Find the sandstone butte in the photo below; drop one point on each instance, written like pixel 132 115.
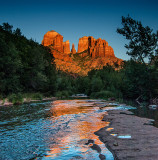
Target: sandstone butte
pixel 92 53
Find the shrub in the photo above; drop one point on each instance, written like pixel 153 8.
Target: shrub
pixel 62 94
pixel 58 94
pixel 1 96
pixel 15 98
pixel 37 96
pixel 102 94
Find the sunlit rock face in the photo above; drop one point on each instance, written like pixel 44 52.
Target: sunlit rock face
pixel 66 47
pixel 56 41
pixel 53 38
pixel 92 53
pixel 82 44
pixel 95 48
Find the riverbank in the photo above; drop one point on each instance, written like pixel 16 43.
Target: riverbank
pixel 7 103
pixel 129 137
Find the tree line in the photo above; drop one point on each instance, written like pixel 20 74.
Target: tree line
pixel 25 65
pixel 28 67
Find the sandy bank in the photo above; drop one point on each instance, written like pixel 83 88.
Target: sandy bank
pixel 140 141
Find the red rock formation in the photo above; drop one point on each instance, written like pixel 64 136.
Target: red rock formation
pixel 66 47
pixel 82 44
pixel 96 53
pixel 95 48
pixel 48 38
pixel 55 39
pixel 73 50
pixel 110 51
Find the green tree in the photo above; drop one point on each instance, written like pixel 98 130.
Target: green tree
pixel 96 84
pixel 139 78
pixel 25 65
pixel 17 32
pixel 10 67
pixel 82 85
pixel 7 27
pixel 142 40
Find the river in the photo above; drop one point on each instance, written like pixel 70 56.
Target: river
pixel 60 130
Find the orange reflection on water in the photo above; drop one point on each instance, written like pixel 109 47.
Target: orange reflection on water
pixel 79 129
pixel 54 151
pixel 71 107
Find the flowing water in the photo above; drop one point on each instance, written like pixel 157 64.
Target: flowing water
pixel 60 130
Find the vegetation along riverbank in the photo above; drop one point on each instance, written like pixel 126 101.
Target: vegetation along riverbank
pixel 28 67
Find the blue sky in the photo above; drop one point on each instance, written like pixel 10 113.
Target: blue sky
pixel 78 18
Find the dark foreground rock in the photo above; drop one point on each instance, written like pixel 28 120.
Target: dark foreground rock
pixel 129 137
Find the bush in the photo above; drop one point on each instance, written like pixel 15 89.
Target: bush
pixel 15 98
pixel 33 96
pixel 102 94
pixel 58 94
pixel 1 96
pixel 62 94
pixel 37 96
pixel 65 94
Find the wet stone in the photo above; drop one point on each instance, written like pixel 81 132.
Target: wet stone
pixel 96 147
pixel 89 141
pixel 102 157
pixel 115 144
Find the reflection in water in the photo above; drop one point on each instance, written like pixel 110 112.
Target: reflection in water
pixel 80 121
pixel 57 130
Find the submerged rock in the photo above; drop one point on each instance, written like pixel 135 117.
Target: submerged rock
pixel 102 157
pixel 89 141
pixel 96 147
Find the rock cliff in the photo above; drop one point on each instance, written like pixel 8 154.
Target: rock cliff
pixel 54 39
pixel 92 53
pixel 66 47
pixel 95 48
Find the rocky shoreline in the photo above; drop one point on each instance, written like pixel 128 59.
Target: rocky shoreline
pixel 129 137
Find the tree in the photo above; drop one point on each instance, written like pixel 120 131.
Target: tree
pixel 17 32
pixel 140 78
pixel 96 84
pixel 142 40
pixel 25 65
pixel 7 27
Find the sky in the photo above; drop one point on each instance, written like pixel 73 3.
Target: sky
pixel 74 19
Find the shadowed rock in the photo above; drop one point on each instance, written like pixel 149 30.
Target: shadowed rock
pixel 89 141
pixel 73 50
pixel 102 157
pixel 96 147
